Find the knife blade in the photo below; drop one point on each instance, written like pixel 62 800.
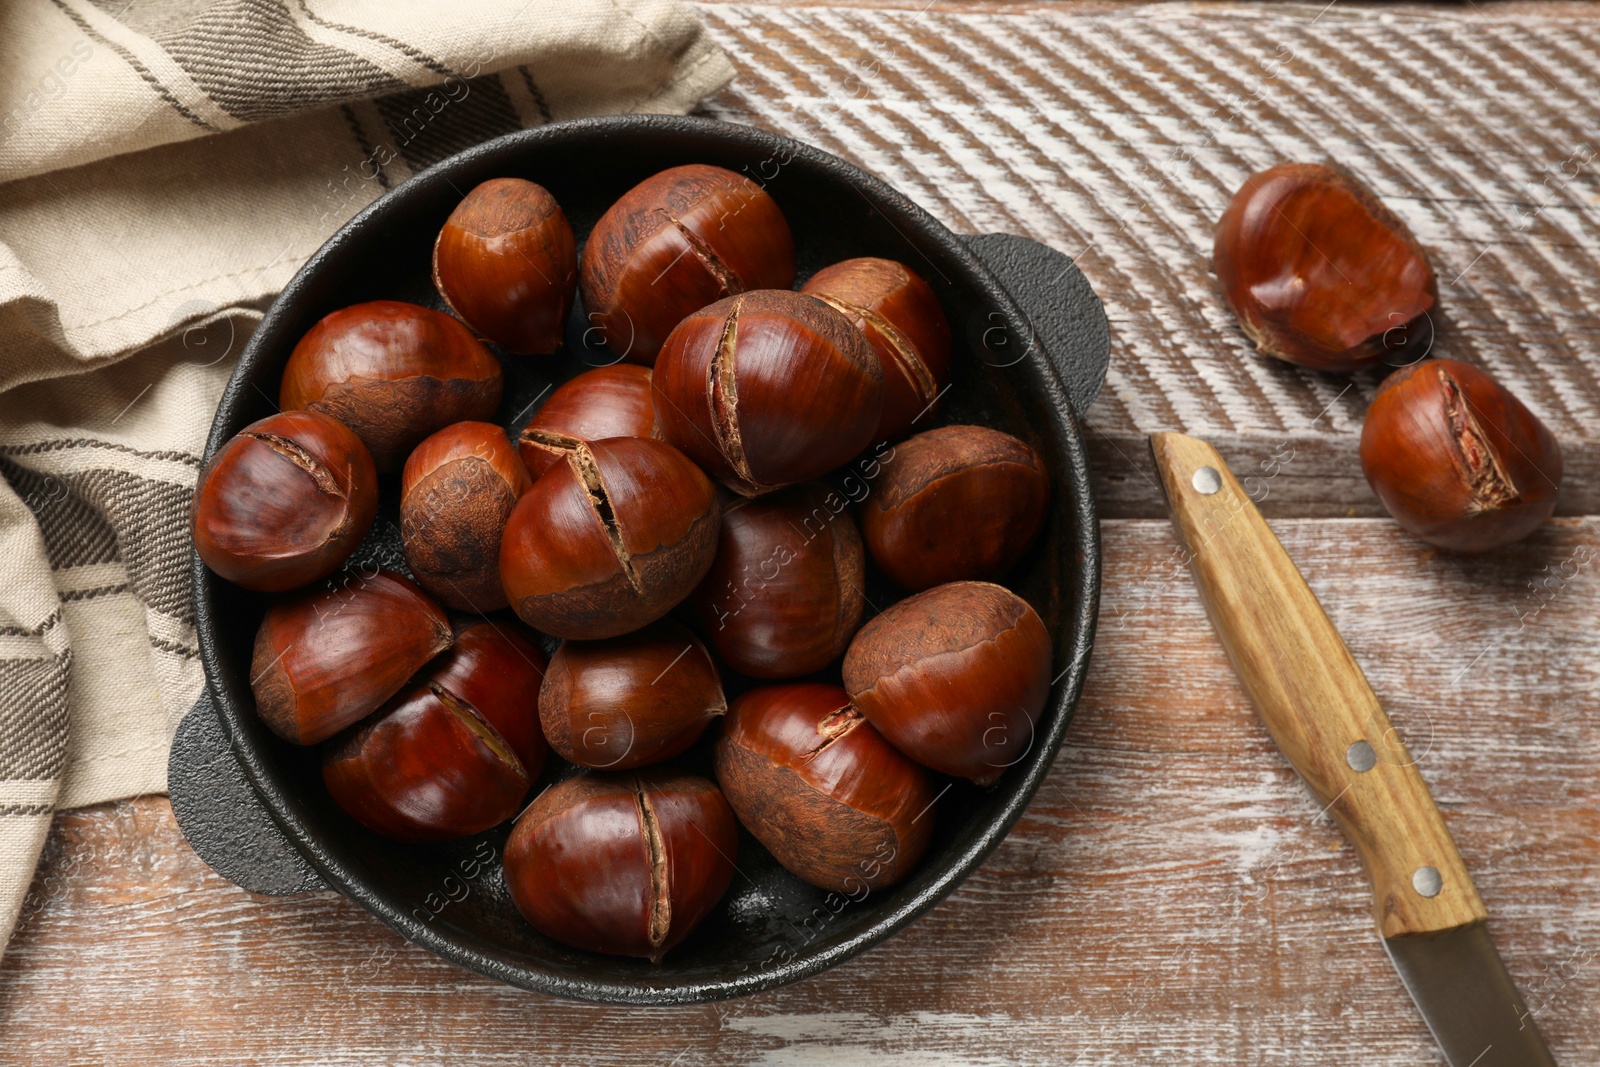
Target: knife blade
pixel 1317 705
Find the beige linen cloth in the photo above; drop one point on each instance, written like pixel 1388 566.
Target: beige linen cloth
pixel 165 167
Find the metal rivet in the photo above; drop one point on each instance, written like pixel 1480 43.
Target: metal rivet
pixel 1206 481
pixel 1361 757
pixel 1426 880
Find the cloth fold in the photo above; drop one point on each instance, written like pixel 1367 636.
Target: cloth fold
pixel 166 169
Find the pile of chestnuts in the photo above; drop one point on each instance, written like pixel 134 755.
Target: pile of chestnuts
pixel 1322 275
pixel 582 589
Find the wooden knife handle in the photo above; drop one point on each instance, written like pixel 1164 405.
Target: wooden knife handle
pixel 1312 696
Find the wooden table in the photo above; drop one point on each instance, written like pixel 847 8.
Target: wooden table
pixel 1173 895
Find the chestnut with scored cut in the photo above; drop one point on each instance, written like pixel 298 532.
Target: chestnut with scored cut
pixel 506 262
pixel 955 677
pixel 394 373
pixel 626 864
pixel 956 503
pixel 496 668
pixel 630 701
pixel 284 502
pixel 456 492
pixel 674 243
pixel 427 767
pixel 834 802
pixel 785 594
pixel 1457 459
pixel 1319 272
pixel 609 540
pixel 767 389
pixel 329 658
pixel 605 402
pixel 897 313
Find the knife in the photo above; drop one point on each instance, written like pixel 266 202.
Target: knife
pixel 1320 710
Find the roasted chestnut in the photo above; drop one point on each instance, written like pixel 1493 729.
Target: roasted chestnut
pixel 427 767
pixel 767 389
pixel 609 540
pixel 622 863
pixel 456 492
pixel 673 244
pixel 629 701
pixel 897 313
pixel 954 677
pixel 505 262
pixel 496 669
pixel 284 502
pixel 393 372
pixel 605 402
pixel 833 801
pixel 784 595
pixel 955 503
pixel 1457 459
pixel 326 659
pixel 1320 272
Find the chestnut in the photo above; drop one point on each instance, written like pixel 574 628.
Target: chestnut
pixel 456 492
pixel 955 503
pixel 427 767
pixel 622 863
pixel 1319 272
pixel 496 669
pixel 326 659
pixel 673 244
pixel 394 373
pixel 284 502
pixel 610 540
pixel 954 677
pixel 897 313
pixel 628 701
pixel 1457 459
pixel 833 802
pixel 506 262
pixel 767 389
pixel 784 595
pixel 605 402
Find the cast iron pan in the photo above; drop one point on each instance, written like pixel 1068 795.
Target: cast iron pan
pixel 273 829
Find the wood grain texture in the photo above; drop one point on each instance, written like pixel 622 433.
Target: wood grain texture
pixel 1171 896
pixel 1118 136
pixel 1311 694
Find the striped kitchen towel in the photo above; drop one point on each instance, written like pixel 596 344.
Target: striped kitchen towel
pixel 166 168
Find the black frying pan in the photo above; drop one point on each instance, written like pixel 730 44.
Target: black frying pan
pixel 1019 372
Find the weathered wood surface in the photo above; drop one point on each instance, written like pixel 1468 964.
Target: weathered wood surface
pixel 1172 895
pixel 1119 136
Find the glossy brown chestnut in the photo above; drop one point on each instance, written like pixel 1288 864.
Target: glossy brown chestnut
pixel 954 677
pixel 673 244
pixel 326 659
pixel 1457 459
pixel 456 492
pixel 784 596
pixel 505 262
pixel 622 863
pixel 833 801
pixel 496 669
pixel 897 313
pixel 1319 272
pixel 426 767
pixel 285 502
pixel 955 503
pixel 392 372
pixel 605 402
pixel 610 540
pixel 767 389
pixel 629 701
